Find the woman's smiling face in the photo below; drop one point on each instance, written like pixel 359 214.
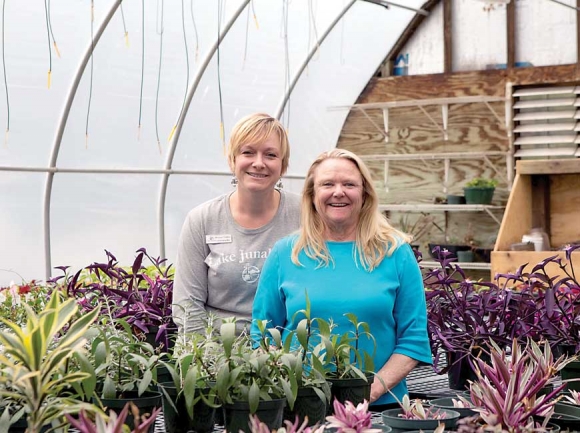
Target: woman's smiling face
pixel 338 194
pixel 259 166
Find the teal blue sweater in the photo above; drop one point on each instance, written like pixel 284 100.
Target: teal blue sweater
pixel 391 299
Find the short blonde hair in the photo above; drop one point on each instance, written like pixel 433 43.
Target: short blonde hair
pixel 375 237
pixel 257 128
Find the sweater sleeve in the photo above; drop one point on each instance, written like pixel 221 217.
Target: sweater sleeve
pixel 411 309
pixel 190 286
pixel 269 303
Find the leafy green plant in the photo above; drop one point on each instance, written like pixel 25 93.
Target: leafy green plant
pixel 14 298
pixel 341 355
pixel 122 363
pixel 481 182
pixel 192 372
pixel 245 373
pixel 33 362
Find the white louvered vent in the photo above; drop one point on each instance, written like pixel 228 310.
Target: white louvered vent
pixel 547 122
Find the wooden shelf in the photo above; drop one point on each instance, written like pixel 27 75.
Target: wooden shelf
pixel 438 207
pixel 544 194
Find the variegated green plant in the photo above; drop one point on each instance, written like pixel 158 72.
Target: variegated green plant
pixel 252 374
pixel 34 358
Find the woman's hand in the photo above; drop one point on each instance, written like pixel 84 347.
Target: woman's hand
pixel 377 389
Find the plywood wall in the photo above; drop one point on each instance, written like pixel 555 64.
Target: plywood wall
pixel 471 127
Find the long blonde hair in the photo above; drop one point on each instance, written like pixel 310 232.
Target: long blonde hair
pixel 257 128
pixel 375 237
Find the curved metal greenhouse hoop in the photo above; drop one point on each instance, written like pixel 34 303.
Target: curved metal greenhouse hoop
pixel 172 146
pixel 60 131
pixel 315 47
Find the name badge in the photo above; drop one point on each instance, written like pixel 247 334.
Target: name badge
pixel 218 239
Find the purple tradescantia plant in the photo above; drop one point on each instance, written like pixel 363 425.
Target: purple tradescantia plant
pixel 506 393
pixel 350 419
pixel 464 315
pixel 142 296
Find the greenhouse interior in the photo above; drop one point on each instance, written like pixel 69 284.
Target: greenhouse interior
pixel 121 120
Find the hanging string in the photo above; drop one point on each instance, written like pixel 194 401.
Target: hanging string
pixel 195 30
pixel 5 79
pixel 91 77
pixel 160 32
pixel 187 69
pixel 312 15
pixel 48 39
pixel 126 33
pixel 222 134
pixel 254 13
pixel 246 41
pixel 286 62
pixel 342 61
pixel 142 68
pixel 54 44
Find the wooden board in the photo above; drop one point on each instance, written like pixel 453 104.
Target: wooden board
pixel 565 209
pixel 509 261
pixel 556 166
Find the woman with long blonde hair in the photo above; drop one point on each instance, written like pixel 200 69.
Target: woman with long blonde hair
pixel 347 258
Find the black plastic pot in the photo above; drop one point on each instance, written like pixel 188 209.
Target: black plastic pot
pixel 178 421
pixel 460 370
pixel 447 403
pixel 571 371
pixel 237 415
pixel 307 404
pixel 147 403
pixel 449 247
pixel 355 390
pixel 392 419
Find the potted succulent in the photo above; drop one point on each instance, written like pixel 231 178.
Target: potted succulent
pixel 252 379
pixel 140 295
pixel 412 415
pixel 479 190
pixel 34 378
pixel 507 390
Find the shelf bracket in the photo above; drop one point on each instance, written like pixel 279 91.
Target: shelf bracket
pixel 447 164
pixel 386 175
pixel 494 168
pixel 490 213
pixel 444 129
pixel 386 123
pixel 378 128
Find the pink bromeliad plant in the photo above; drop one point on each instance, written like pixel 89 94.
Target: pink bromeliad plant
pixel 350 419
pixel 507 392
pixel 347 418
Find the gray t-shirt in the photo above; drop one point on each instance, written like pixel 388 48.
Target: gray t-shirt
pixel 219 262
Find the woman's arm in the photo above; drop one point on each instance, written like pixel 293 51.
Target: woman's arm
pixel 190 285
pixel 395 369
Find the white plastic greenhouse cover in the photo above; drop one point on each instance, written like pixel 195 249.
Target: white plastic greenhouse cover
pixel 75 172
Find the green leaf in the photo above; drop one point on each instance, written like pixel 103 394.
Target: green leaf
pixel 254 397
pixel 145 382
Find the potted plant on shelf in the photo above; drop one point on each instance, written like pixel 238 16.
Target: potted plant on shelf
pixel 34 378
pixel 141 295
pixel 479 190
pixel 252 380
pixel 417 228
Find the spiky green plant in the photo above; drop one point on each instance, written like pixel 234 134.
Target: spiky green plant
pixel 34 361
